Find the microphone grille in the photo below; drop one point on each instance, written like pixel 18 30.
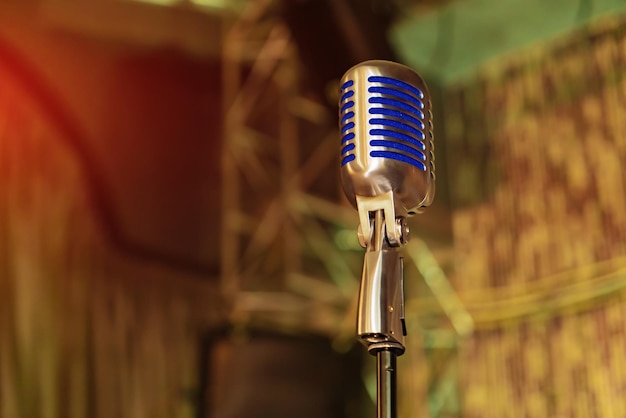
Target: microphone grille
pixel 385 121
pixel 347 123
pixel 399 122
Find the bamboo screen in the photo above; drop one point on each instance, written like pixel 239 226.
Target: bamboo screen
pixel 85 331
pixel 537 150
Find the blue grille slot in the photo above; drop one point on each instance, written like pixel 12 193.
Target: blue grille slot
pixel 397 83
pixel 347 137
pixel 398 135
pixel 397 156
pixel 347 148
pixel 347 127
pixel 347 159
pixel 347 106
pixel 397 93
pixel 347 95
pixel 396 114
pixel 347 84
pixel 347 116
pixel 398 146
pixel 397 125
pixel 396 103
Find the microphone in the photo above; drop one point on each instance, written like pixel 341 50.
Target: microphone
pixel 387 154
pixel 388 174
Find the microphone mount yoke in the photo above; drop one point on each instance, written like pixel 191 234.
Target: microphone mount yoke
pixel 380 314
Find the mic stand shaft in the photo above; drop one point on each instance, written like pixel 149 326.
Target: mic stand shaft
pixel 386 384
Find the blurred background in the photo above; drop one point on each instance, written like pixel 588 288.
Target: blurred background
pixel 174 241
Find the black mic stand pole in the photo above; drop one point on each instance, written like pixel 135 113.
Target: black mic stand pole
pixel 380 316
pixel 386 384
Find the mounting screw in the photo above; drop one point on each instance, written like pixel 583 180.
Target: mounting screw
pixel 402 230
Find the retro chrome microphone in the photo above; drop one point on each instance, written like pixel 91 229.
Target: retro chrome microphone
pixel 387 173
pixel 386 137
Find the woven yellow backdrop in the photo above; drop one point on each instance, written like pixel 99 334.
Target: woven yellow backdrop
pixel 537 150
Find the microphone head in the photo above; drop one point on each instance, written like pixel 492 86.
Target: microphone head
pixel 386 135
